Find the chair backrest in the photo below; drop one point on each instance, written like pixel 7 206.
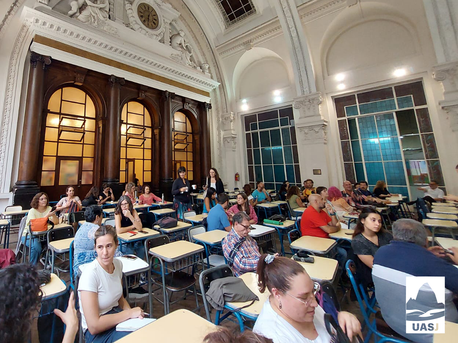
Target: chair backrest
pixel 293 235
pixel 60 233
pixel 290 210
pixel 155 242
pixel 195 230
pixel 75 217
pixel 207 276
pixel 19 244
pixel 12 208
pixel 111 222
pixel 422 208
pixel 189 214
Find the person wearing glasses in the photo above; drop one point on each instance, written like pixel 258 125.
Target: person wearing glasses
pixel 240 250
pixel 291 313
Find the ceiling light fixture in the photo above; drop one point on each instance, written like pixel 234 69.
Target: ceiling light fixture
pixel 341 86
pixel 244 107
pixel 400 72
pixel 277 92
pixel 278 99
pixel 340 77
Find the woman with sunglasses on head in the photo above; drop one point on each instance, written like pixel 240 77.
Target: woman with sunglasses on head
pixel 102 303
pixel 291 313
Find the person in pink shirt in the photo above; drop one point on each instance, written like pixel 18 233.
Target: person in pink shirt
pixel 243 205
pixel 147 198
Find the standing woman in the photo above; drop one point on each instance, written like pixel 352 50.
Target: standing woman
pixel 130 192
pixel 368 237
pixel 294 197
pixel 148 197
pixel 380 190
pixel 106 195
pixel 243 205
pixel 214 181
pixel 180 191
pixel 39 209
pixel 101 301
pixel 210 200
pixel 127 219
pixel 69 204
pixel 92 197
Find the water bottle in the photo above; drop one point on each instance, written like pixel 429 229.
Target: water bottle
pixel 162 197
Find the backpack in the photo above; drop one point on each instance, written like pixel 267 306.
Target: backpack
pixel 327 299
pixel 166 222
pixel 278 217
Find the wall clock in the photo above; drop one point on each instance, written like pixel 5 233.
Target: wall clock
pixel 148 15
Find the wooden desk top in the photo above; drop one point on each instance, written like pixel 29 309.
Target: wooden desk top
pixel 279 202
pixel 211 237
pixel 446 204
pixel 174 251
pixel 446 243
pixel 286 224
pixel 266 205
pixel 139 207
pixel 180 226
pixel 451 332
pixel 299 209
pixel 4 222
pixel 351 215
pixel 127 237
pixel 109 210
pixel 14 213
pixel 323 269
pixel 260 230
pixel 200 197
pixel 53 288
pixel 81 222
pixel 251 280
pixel 129 265
pixel 192 329
pixel 440 223
pixel 163 211
pixel 197 218
pixel 61 245
pixel 314 244
pixel 445 210
pixel 442 216
pixel 343 234
pixel 61 225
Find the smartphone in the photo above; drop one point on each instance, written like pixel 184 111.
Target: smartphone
pixel 302 254
pixel 53 208
pixel 448 251
pixel 130 257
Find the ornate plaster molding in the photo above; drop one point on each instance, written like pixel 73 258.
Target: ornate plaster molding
pixel 447 74
pixel 308 106
pixel 9 14
pixel 309 12
pixel 230 142
pixel 313 134
pixel 227 121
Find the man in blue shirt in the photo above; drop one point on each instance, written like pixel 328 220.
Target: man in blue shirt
pixel 260 194
pixel 217 217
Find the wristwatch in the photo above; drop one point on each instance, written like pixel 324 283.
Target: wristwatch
pixel 332 214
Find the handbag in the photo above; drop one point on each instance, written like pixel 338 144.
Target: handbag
pixel 39 224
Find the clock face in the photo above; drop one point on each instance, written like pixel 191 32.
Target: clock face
pixel 148 15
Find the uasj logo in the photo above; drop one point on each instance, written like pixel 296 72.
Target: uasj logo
pixel 425 304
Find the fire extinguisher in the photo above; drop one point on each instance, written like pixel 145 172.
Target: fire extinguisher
pixel 237 177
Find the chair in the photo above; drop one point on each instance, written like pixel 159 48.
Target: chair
pixel 20 246
pixel 176 279
pixel 206 277
pixel 57 235
pixel 213 259
pixel 111 222
pixel 291 212
pixel 367 305
pixel 74 218
pixel 292 236
pixel 188 214
pixel 14 219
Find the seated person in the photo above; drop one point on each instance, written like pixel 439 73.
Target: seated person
pixel 291 313
pixel 283 190
pixel 363 189
pixel 22 302
pixel 243 205
pixel 127 219
pixel 338 202
pixel 308 189
pixel 130 192
pixel 225 335
pixel 147 198
pixel 260 194
pixel 210 200
pixel 294 197
pixel 350 196
pixel 69 204
pixel 106 195
pixel 39 209
pixel 380 190
pixel 240 250
pixel 368 237
pixel 316 222
pixel 406 256
pixel 433 193
pixel 217 217
pixel 247 190
pixel 102 304
pixel 92 197
pixel 83 243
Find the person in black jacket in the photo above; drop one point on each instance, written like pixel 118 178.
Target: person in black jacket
pixel 214 181
pixel 181 191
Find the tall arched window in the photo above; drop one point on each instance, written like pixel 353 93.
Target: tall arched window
pixel 69 144
pixel 136 143
pixel 182 145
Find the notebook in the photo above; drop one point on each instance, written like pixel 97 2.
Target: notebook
pixel 134 324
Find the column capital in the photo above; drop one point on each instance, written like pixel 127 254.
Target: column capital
pixel 313 134
pixel 35 58
pixel 116 80
pixel 227 121
pixel 230 141
pixel 308 106
pixel 447 74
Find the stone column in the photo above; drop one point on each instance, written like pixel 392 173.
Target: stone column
pixel 113 131
pixel 29 170
pixel 311 133
pixel 205 129
pixel 229 150
pixel 165 160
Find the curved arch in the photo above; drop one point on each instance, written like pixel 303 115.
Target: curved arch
pixel 367 17
pixel 258 58
pixel 150 106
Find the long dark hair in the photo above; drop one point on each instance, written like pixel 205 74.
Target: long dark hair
pixel 216 175
pixel 362 216
pixel 247 189
pixel 210 192
pixel 94 191
pixel 19 301
pixel 36 199
pixel 291 191
pixel 121 199
pixel 283 187
pixel 247 208
pixel 277 274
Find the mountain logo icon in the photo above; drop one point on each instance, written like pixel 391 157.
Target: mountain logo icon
pixel 425 306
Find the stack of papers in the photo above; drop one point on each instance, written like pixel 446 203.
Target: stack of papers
pixel 134 324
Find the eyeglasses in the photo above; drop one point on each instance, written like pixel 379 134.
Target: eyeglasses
pixel 311 297
pixel 246 227
pixel 124 203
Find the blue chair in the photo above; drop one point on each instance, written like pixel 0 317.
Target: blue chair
pixel 367 304
pixel 292 236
